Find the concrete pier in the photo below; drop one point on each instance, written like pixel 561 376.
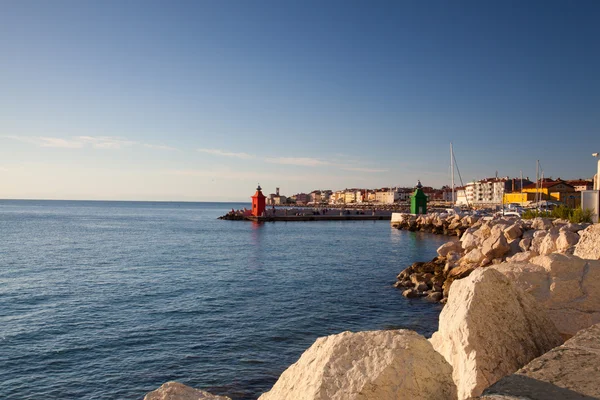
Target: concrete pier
pixel 320 218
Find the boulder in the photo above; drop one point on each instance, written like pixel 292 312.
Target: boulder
pixel 525 243
pixel 588 246
pixel 495 246
pixel 536 241
pixel 541 223
pixel 474 256
pixel 513 232
pixel 178 391
pixel 572 227
pixel 565 240
pixel 490 328
pixel 547 244
pixel 568 372
pixel 378 365
pixel 567 286
pixel 469 241
pixel 521 257
pixel 446 248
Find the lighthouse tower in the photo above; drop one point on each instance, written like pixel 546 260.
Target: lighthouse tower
pixel 258 202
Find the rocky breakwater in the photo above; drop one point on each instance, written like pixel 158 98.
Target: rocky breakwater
pixel 491 241
pixel 438 223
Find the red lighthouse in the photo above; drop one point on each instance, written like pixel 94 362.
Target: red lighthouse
pixel 258 202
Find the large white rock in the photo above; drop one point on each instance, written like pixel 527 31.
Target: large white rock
pixel 378 365
pixel 566 239
pixel 179 391
pixel 474 256
pixel 589 244
pixel 548 244
pixel 567 286
pixel 513 232
pixel 570 371
pixel 446 248
pixel 495 246
pixel 470 241
pixel 490 328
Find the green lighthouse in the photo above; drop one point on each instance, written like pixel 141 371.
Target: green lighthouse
pixel 418 201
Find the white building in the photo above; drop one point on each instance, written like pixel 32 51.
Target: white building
pixel 388 195
pixel 488 191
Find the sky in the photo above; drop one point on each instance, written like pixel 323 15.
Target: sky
pixel 202 100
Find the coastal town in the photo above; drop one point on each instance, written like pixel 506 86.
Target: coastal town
pixel 488 192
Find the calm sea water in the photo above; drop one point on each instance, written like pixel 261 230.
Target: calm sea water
pixel 108 300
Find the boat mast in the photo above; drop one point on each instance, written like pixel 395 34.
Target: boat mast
pixel 521 188
pixel 452 168
pixel 537 183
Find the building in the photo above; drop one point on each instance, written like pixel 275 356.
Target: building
pixel 302 198
pixel 581 184
pixel 489 191
pixel 275 199
pixel 387 195
pixel 461 196
pixel 554 190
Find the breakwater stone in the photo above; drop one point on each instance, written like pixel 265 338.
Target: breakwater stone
pixel 377 365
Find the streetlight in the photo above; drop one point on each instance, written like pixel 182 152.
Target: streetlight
pixel 597 177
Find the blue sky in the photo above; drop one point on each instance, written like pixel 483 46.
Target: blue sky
pixel 201 100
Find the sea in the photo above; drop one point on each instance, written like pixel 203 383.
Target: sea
pixel 109 300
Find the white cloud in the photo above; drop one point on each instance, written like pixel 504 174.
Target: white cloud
pixel 158 147
pixel 301 161
pixel 42 141
pixel 106 142
pixel 77 142
pixel 223 153
pixel 59 142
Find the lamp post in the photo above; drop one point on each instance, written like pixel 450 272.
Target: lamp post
pixel 597 177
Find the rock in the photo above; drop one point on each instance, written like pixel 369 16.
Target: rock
pixel 536 242
pixel 179 391
pixel 495 246
pixel 560 222
pixel 541 223
pixel 547 244
pixel 570 371
pixel 435 296
pixel 567 286
pixel 421 287
pixel 469 241
pixel 446 248
pixel 416 279
pixel 378 365
pixel 513 232
pixel 410 293
pixel 525 244
pixel 589 244
pixel 571 227
pixel 475 256
pixel 490 328
pixel 513 248
pixel 521 257
pixel 565 240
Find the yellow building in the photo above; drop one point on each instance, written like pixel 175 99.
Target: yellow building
pixel 520 198
pixel 549 190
